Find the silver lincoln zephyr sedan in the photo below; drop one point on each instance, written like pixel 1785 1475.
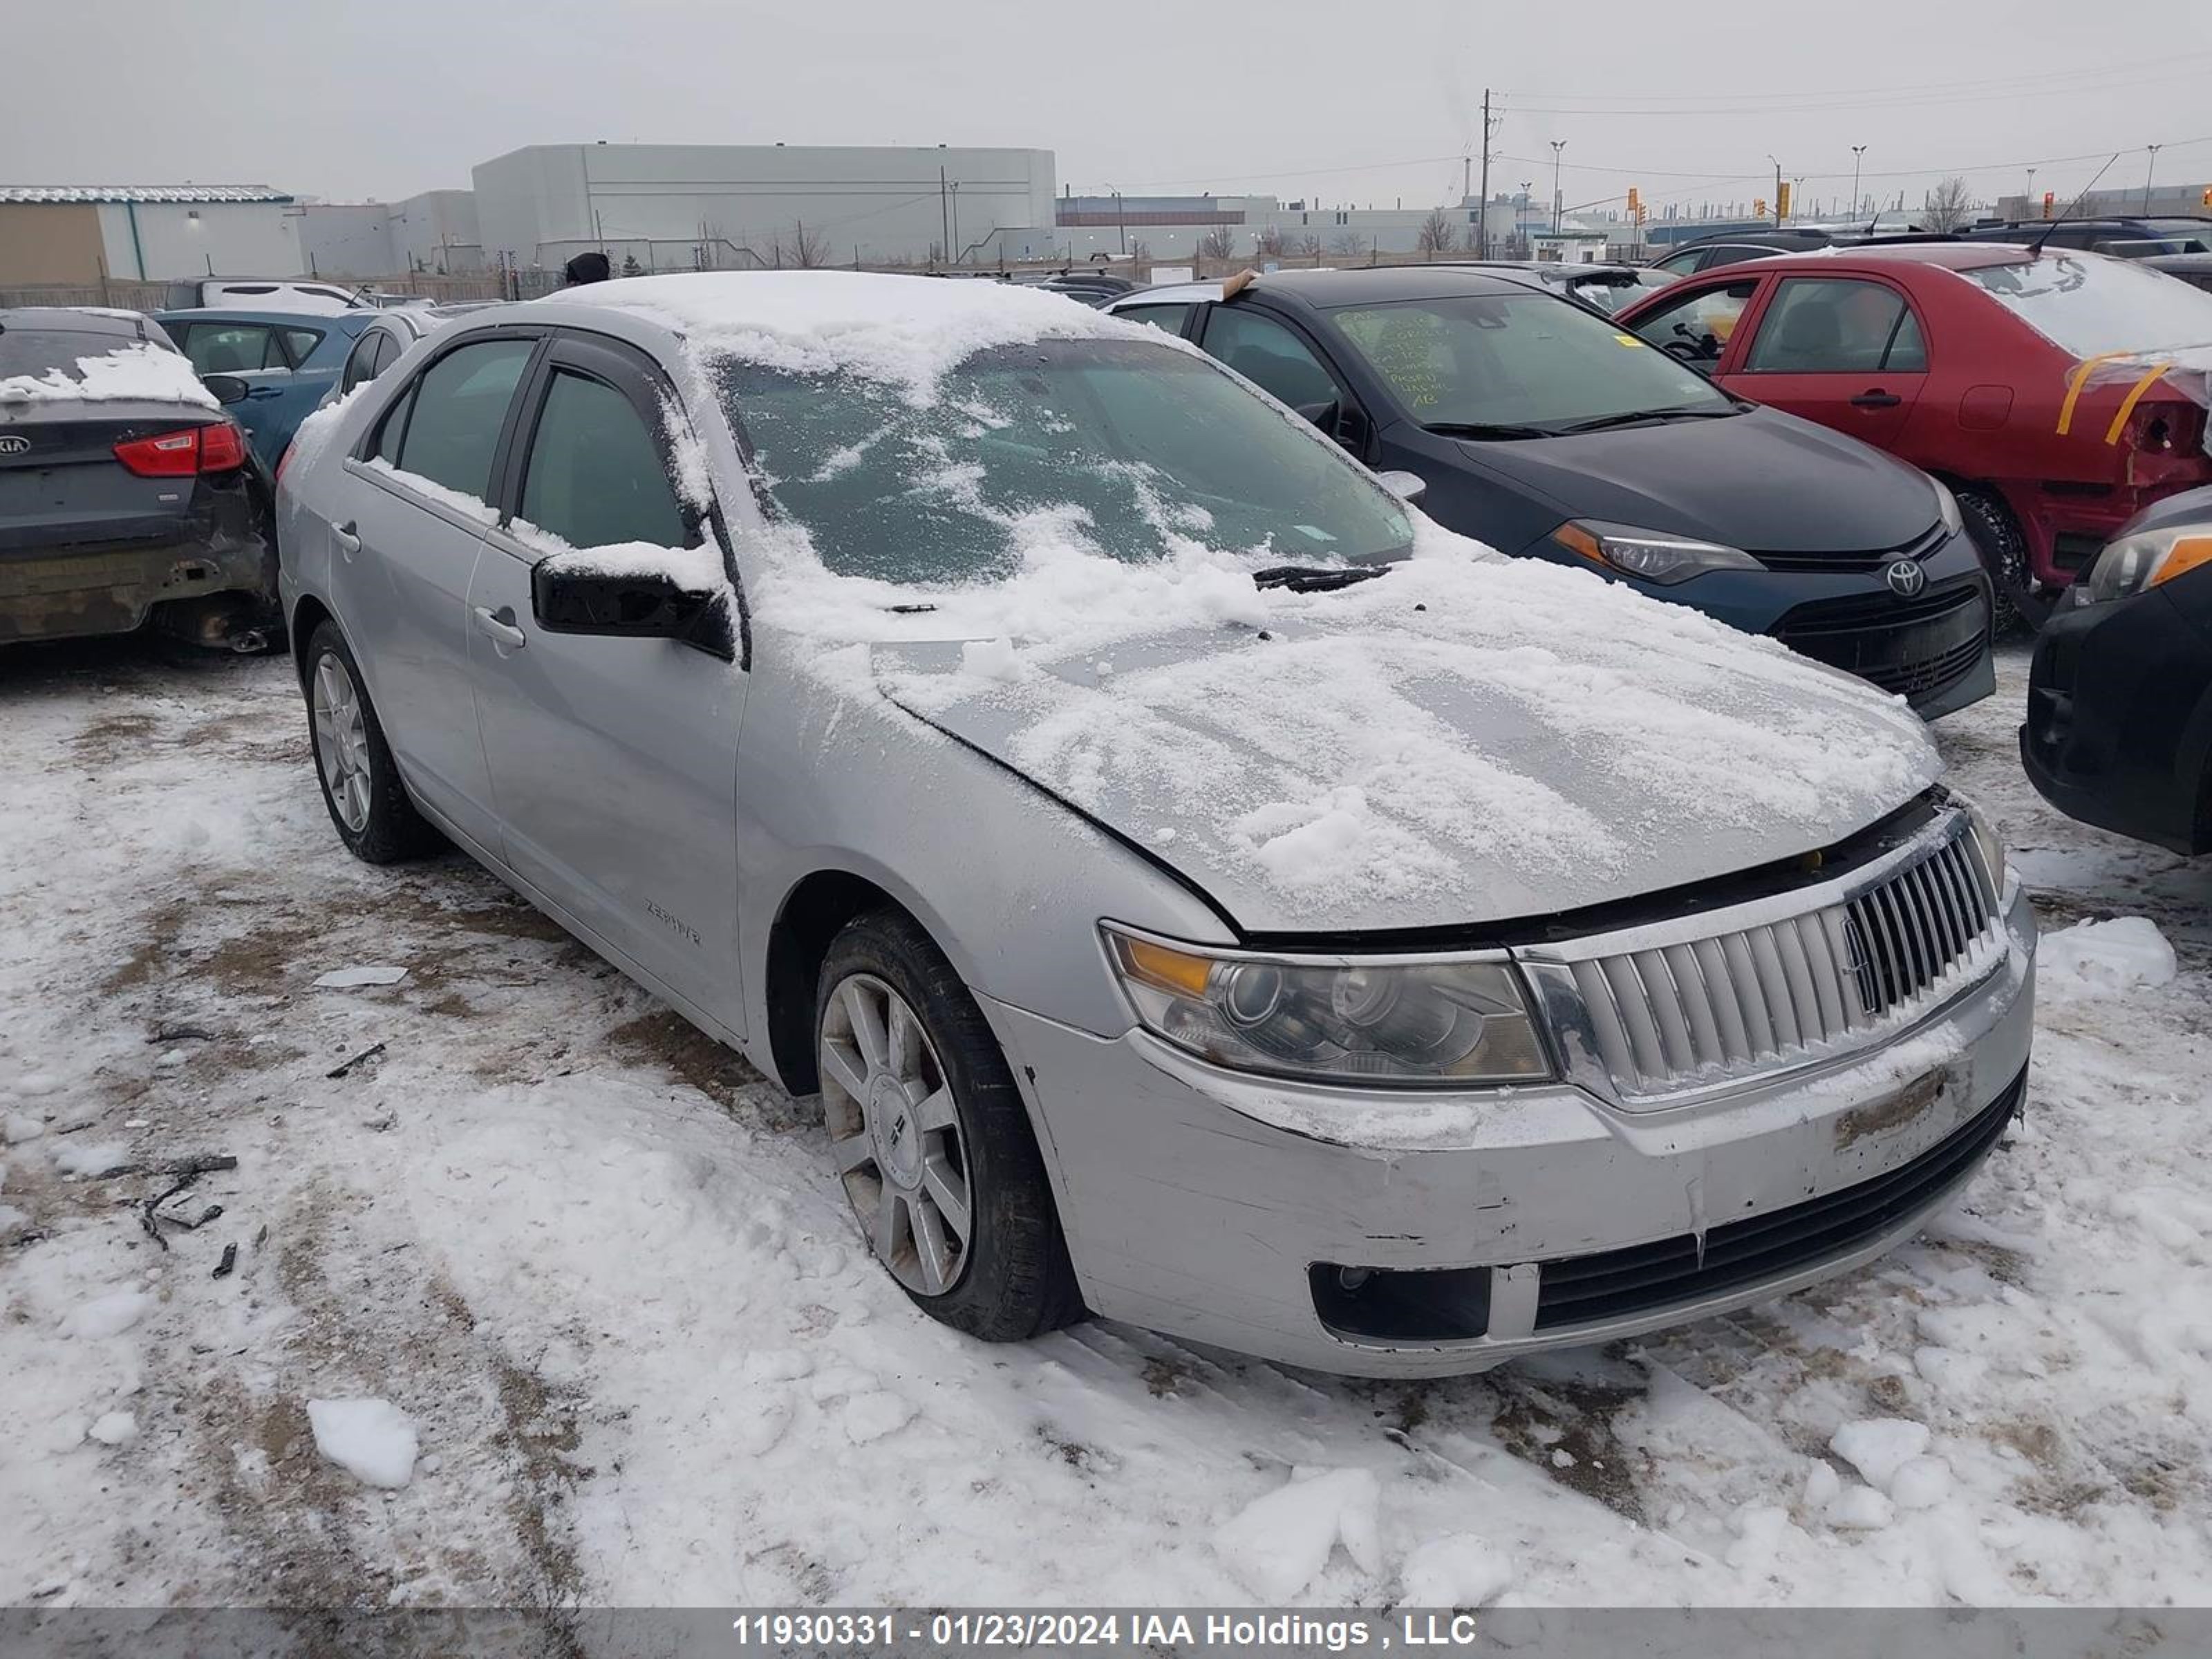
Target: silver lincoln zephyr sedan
pixel 1201 891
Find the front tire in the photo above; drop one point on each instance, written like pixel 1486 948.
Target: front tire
pixel 929 1138
pixel 1999 538
pixel 368 804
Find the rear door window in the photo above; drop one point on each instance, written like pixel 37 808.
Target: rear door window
pixel 1169 317
pixel 361 362
pixel 460 405
pixel 595 477
pixel 1267 354
pixel 233 348
pixel 301 342
pixel 1820 326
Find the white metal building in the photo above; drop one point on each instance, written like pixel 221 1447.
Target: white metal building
pixel 435 232
pixel 679 206
pixel 85 232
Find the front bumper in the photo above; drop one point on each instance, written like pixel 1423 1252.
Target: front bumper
pixel 2119 731
pixel 1193 1207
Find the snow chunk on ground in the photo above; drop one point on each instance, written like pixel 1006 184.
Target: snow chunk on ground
pixel 96 1157
pixel 873 1415
pixel 2097 958
pixel 138 372
pixel 1920 1483
pixel 113 1429
pixel 1861 1509
pixel 107 1316
pixel 344 978
pixel 1278 1543
pixel 372 1440
pixel 1878 1447
pixel 1459 1571
pixel 19 1126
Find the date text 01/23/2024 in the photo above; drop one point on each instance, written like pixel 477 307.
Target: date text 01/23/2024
pixel 1253 1633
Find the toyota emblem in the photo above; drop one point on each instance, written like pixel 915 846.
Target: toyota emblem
pixel 1905 579
pixel 13 443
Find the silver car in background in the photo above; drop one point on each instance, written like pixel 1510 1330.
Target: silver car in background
pixel 1200 891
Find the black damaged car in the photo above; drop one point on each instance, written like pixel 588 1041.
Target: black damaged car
pixel 2119 700
pixel 126 495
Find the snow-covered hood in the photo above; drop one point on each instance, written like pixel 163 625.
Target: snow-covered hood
pixel 1463 740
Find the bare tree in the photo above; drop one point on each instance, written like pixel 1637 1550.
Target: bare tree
pixel 1219 243
pixel 1141 252
pixel 1308 245
pixel 1949 206
pixel 808 249
pixel 1270 244
pixel 1437 234
pixel 1348 241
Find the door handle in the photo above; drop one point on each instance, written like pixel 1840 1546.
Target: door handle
pixel 349 542
pixel 264 392
pixel 1876 398
pixel 498 625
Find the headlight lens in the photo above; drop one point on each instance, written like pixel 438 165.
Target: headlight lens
pixel 2144 560
pixel 1986 838
pixel 1437 1023
pixel 1655 557
pixel 1947 507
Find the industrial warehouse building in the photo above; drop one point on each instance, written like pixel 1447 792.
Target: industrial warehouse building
pixel 724 206
pixel 86 235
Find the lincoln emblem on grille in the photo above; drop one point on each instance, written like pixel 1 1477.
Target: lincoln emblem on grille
pixel 1905 578
pixel 13 444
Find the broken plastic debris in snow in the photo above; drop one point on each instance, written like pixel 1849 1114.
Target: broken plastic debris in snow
pixel 372 1440
pixel 344 978
pixel 2099 959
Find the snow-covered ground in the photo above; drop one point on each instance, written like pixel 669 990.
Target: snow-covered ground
pixel 547 1300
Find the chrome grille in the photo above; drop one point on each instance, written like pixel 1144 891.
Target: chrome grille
pixel 1706 1011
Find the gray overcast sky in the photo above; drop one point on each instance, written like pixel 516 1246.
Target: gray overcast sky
pixel 1348 103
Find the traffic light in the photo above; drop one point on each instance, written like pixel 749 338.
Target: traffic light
pixel 1782 200
pixel 2051 200
pixel 2208 195
pixel 1759 207
pixel 1635 204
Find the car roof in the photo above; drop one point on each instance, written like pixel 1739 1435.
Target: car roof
pixel 2178 262
pixel 1952 256
pixel 1547 269
pixel 274 318
pixel 77 319
pixel 1326 289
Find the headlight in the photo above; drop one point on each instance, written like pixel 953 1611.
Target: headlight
pixel 1991 843
pixel 2144 560
pixel 1346 1020
pixel 1648 553
pixel 1947 507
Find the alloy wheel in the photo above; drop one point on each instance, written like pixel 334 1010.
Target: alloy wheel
pixel 341 741
pixel 894 1136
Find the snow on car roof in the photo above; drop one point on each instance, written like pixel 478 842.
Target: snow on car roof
pixel 139 372
pixel 904 330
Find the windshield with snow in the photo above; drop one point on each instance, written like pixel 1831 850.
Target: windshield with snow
pixel 1121 447
pixel 2085 304
pixel 1524 361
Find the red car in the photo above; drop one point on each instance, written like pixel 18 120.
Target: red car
pixel 2057 394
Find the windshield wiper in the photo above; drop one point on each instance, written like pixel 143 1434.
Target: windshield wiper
pixel 1316 577
pixel 1629 417
pixel 1484 430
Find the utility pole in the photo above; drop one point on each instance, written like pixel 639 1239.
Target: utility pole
pixel 1482 208
pixel 1557 200
pixel 1858 153
pixel 2148 168
pixel 1777 188
pixel 944 217
pixel 2028 202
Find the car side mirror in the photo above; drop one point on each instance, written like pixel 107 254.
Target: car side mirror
pixel 1407 486
pixel 227 388
pixel 571 595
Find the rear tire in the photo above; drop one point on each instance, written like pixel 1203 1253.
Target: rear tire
pixel 1999 538
pixel 929 1137
pixel 368 803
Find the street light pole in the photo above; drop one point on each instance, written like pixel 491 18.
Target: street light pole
pixel 1777 187
pixel 1858 154
pixel 2148 167
pixel 1557 144
pixel 2028 206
